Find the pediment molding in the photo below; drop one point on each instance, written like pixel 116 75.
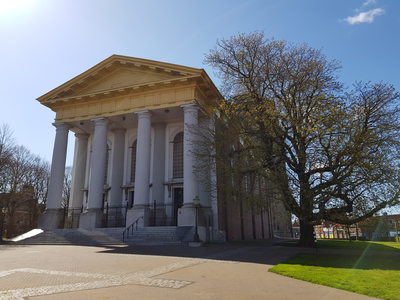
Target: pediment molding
pixel 109 66
pixel 121 91
pixel 123 84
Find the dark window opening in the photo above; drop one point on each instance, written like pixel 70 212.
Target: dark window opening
pixel 133 161
pixel 178 156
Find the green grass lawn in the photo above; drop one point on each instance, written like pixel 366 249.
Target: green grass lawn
pixel 353 245
pixel 373 275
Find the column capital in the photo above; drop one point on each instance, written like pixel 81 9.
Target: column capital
pixel 62 125
pixel 81 136
pixel 100 121
pixel 143 114
pixel 190 107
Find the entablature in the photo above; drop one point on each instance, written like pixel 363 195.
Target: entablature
pixel 122 84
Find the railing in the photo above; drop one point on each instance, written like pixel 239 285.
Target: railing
pixel 70 218
pixel 130 227
pixel 162 214
pixel 115 216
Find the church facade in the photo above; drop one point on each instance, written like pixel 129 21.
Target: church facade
pixel 133 158
pixel 131 120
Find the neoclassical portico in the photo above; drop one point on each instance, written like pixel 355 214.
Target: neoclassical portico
pixel 133 144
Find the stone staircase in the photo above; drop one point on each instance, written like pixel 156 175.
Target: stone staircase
pixel 98 236
pixel 173 235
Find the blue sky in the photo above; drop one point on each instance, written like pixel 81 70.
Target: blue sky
pixel 44 43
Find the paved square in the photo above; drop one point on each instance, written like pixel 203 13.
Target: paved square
pixel 119 272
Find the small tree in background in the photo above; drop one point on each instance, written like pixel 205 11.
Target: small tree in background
pixel 66 192
pixel 24 179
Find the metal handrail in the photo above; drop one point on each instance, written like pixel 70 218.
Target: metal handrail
pixel 127 229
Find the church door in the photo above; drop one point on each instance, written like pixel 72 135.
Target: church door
pixel 178 203
pixel 131 198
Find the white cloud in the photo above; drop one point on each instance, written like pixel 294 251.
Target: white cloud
pixel 365 17
pixel 369 2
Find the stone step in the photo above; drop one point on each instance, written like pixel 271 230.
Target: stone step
pixel 160 236
pixel 71 237
pixel 152 243
pixel 141 236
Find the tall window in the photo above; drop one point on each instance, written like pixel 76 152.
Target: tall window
pixel 106 168
pixel 133 161
pixel 178 156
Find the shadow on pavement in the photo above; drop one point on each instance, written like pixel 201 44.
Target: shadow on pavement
pixel 251 251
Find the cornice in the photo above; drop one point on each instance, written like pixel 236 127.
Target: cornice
pixel 109 65
pixel 123 91
pixel 91 94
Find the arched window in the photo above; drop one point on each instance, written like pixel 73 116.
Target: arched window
pixel 106 168
pixel 178 156
pixel 133 161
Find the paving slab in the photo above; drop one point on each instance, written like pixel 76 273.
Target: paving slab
pixel 220 271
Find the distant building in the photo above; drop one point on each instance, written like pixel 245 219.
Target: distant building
pixel 19 214
pixel 331 230
pixel 377 227
pixel 380 227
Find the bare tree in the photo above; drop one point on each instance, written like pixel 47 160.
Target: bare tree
pixel 18 172
pixel 66 192
pixel 38 180
pixel 6 146
pixel 6 151
pixel 24 179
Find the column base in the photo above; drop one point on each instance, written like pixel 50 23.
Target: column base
pixel 50 219
pixel 141 214
pixel 187 215
pixel 91 219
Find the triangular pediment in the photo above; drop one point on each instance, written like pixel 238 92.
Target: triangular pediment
pixel 118 72
pixel 123 78
pixel 122 84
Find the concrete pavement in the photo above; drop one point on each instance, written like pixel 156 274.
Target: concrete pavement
pixel 220 271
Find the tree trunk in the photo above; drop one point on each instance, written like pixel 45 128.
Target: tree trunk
pixel 356 232
pixel 348 232
pixel 306 235
pixel 1 226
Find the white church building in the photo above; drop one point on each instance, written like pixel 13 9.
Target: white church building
pixel 133 122
pixel 132 158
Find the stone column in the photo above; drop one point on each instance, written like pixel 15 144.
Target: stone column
pixel 187 214
pixel 117 176
pixel 205 195
pixel 190 184
pixel 142 176
pixel 51 218
pixel 143 148
pixel 159 164
pixel 93 215
pixel 159 173
pixel 78 175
